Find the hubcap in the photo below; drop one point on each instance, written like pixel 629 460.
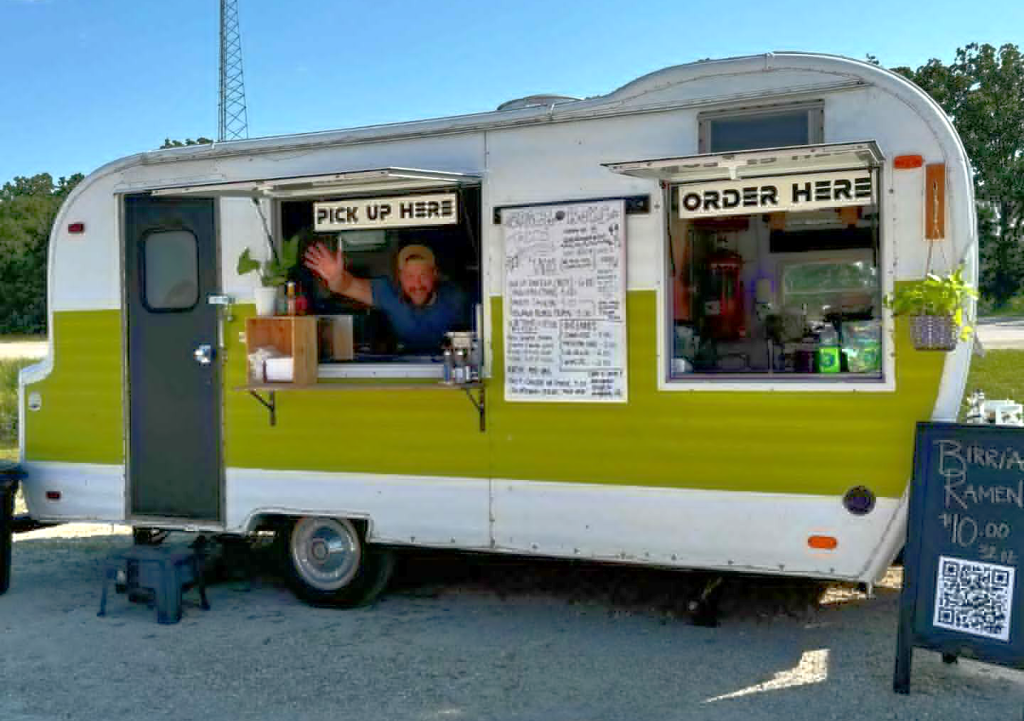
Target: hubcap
pixel 326 552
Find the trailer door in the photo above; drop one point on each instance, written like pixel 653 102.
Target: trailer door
pixel 174 380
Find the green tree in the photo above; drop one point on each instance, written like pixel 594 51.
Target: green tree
pixel 982 91
pixel 28 207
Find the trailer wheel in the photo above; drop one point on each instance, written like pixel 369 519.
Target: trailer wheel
pixel 327 563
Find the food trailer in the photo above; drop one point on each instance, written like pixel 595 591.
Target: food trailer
pixel 675 350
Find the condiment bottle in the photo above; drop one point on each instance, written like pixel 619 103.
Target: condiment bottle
pixel 301 302
pixel 290 294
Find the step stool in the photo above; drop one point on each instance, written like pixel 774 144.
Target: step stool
pixel 162 571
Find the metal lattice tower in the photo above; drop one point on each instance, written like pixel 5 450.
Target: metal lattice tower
pixel 233 123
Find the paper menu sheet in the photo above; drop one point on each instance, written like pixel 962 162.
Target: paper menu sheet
pixel 565 302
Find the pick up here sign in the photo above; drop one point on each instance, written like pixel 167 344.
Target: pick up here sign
pixel 395 212
pixel 777 194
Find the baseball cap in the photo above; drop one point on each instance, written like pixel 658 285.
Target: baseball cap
pixel 415 252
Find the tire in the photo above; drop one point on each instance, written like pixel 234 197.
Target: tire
pixel 327 563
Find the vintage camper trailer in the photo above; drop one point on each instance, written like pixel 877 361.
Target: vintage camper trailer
pixel 668 344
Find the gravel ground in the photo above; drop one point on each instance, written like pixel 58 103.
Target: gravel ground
pixel 463 637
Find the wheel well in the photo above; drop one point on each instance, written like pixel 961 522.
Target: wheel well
pixel 277 522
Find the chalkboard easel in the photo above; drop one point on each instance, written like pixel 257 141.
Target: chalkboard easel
pixel 965 540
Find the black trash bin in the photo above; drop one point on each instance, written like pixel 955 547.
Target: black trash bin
pixel 9 477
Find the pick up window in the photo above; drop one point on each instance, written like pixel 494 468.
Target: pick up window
pixel 388 334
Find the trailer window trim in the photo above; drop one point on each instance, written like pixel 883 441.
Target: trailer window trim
pixel 468 228
pixel 147 269
pixel 813 112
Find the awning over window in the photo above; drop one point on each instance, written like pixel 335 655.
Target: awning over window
pixel 359 181
pixel 754 163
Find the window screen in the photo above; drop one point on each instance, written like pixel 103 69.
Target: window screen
pixel 170 270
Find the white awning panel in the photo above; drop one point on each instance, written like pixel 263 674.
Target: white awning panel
pixel 754 163
pixel 358 181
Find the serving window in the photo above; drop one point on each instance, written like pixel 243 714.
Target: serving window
pixel 794 293
pixel 436 239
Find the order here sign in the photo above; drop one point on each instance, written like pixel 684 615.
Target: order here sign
pixel 395 212
pixel 777 194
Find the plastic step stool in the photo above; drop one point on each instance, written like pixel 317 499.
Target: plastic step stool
pixel 163 571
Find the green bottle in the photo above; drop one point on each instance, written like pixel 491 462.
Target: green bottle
pixel 827 356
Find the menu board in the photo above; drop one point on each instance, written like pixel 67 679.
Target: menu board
pixel 965 539
pixel 565 302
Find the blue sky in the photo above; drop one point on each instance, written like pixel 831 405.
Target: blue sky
pixel 88 81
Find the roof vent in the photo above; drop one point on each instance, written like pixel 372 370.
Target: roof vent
pixel 536 101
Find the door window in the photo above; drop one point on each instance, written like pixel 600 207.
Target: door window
pixel 170 270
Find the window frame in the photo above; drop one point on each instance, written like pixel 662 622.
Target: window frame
pixel 144 279
pixel 764 381
pixel 815 122
pixel 397 369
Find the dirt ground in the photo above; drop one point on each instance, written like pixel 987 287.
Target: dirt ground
pixel 464 637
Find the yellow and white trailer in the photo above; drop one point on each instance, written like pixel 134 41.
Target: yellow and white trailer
pixel 719 444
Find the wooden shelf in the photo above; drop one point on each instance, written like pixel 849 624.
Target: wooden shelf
pixel 293 336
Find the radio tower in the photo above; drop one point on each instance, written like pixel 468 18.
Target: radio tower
pixel 233 123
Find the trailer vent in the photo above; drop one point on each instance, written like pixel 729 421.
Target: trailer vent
pixel 536 101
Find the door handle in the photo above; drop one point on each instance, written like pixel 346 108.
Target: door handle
pixel 203 354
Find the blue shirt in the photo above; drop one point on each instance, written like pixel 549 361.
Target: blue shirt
pixel 421 328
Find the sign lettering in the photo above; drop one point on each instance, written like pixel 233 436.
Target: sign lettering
pixel 398 212
pixel 782 193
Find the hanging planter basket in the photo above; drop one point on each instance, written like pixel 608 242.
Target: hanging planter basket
pixel 934 332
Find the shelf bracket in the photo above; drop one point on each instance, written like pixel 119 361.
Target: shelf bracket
pixel 478 403
pixel 270 404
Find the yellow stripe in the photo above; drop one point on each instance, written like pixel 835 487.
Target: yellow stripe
pixel 779 442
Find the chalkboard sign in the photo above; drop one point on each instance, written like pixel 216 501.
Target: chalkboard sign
pixel 565 302
pixel 965 540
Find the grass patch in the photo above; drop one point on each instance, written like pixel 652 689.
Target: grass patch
pixel 22 338
pixel 1000 374
pixel 9 401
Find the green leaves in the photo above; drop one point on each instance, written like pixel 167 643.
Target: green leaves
pixel 273 272
pixel 27 209
pixel 982 91
pixel 942 295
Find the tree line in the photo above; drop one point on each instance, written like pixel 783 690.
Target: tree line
pixel 982 91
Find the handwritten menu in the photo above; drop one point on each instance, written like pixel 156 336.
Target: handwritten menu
pixel 965 541
pixel 565 302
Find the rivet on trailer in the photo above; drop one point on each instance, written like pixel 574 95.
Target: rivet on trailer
pixel 655 361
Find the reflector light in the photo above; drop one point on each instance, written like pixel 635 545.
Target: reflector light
pixel 906 162
pixel 53 495
pixel 826 543
pixel 76 227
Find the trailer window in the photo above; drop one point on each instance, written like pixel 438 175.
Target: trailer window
pixel 777 127
pixel 793 295
pixel 170 270
pixel 389 330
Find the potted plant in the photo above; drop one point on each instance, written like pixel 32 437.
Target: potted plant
pixel 273 273
pixel 936 309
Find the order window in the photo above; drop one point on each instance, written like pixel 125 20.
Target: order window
pixel 789 294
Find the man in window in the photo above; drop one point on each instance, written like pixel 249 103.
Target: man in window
pixel 421 307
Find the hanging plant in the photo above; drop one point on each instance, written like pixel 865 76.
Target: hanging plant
pixel 936 308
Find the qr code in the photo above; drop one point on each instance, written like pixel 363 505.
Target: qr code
pixel 974 597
